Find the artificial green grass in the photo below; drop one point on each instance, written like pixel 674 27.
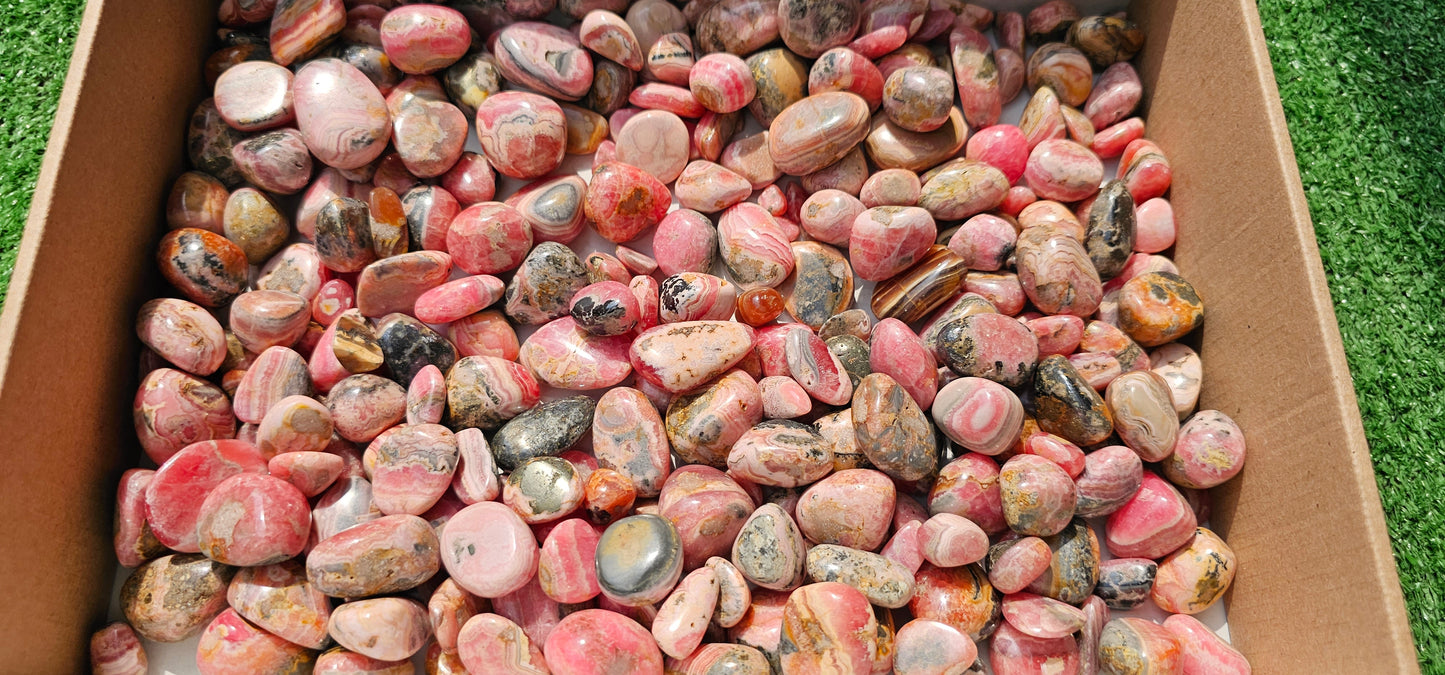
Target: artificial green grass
pixel 1363 93
pixel 1362 90
pixel 36 37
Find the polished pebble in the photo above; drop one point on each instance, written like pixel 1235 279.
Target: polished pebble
pixel 639 560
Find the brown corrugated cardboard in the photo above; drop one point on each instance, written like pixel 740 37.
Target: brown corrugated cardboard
pixel 1316 590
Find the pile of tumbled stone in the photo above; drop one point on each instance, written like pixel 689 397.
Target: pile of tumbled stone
pixel 359 462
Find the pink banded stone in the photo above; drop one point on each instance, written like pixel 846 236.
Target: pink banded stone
pixel 340 113
pixel 424 38
pixel 671 98
pixel 1014 653
pixel 968 486
pixel 489 642
pixel 609 35
pixel 180 486
pixel 949 540
pixel 780 453
pixel 294 424
pixel 251 519
pixel 565 356
pixel 784 398
pixel 1154 522
pixel 296 269
pixel 886 240
pixel 597 641
pixel 683 618
pixel 655 141
pixel 342 662
pixel 1040 616
pixel 390 629
pixel 828 216
pixel 685 241
pixel 1202 651
pixel 690 296
pixel 1038 495
pixel 475 479
pixel 828 624
pixel 842 69
pixel 708 348
pixel 1020 563
pixel 230 645
pixel 850 508
pixel 300 27
pixel 1210 451
pixel 816 368
pixel 708 187
pixel 134 542
pixel 1114 96
pixel 890 187
pixel 255 95
pixel 277 373
pixel 486 391
pixel 977 75
pixel 426 397
pixel 264 319
pixel 924 647
pixel 722 82
pixel 1195 577
pixel 753 246
pixel 115 650
pixel 545 58
pixel 981 415
pixel 817 131
pixel 172 409
pixel 895 350
pixel 905 547
pixel 1111 142
pixel 410 467
pixel 523 135
pixel 566 569
pixel 363 406
pixel 1063 170
pixel 623 201
pixel 470 180
pixel 279 599
pixel 484 334
pixel 488 550
pixel 1111 476
pixel 457 299
pixel 309 472
pixel 336 296
pixel 628 437
pixel 489 238
pixel 708 509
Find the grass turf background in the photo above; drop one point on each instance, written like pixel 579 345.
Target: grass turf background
pixel 1363 93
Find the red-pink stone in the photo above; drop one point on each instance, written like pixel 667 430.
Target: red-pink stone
pixel 336 296
pixel 1017 199
pixel 457 299
pixel 390 629
pixel 1015 653
pixel 636 261
pixel 1154 522
pixel 340 113
pixel 263 319
pixel 1058 334
pixel 115 650
pixel 1038 495
pixel 1063 170
pixel 706 187
pixel 598 642
pixel 489 238
pixel 492 643
pixel 566 569
pixel 545 58
pixel 133 540
pixel 1041 617
pixel 488 550
pixel 977 76
pixel 906 546
pixel 890 187
pixel 1210 451
pixel 429 137
pixel 565 356
pixel 895 350
pixel 424 38
pixel 603 266
pixel 623 201
pixel 470 180
pixel 1201 651
pixel 784 398
pixel 655 141
pixel 886 240
pixel 175 494
pixel 968 486
pixel 681 357
pixel 523 135
pixel 877 43
pixel 363 406
pixel 1154 228
pixel 411 466
pixel 950 540
pixel 172 409
pixel 850 508
pixel 279 599
pixel 683 618
pixel 1020 564
pixel 300 27
pixel 475 479
pixel 722 83
pixel 230 645
pixel 484 334
pixel 251 519
pixel 1058 450
pixel 255 95
pixel 606 308
pixel 1002 146
pixel 1109 143
pixel 816 368
pixel 826 626
pixel 671 98
pixel 1111 476
pixel 979 414
pixel 1114 96
pixel 628 437
pixel 342 662
pixel 609 35
pixel 828 216
pixel 277 373
pixel 924 647
pixel 707 507
pixel 297 269
pixel 753 246
pixel 1144 168
pixel 842 69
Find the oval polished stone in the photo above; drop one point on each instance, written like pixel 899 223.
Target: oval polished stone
pixel 275 161
pixel 1013 565
pixel 924 647
pixel 208 144
pixel 1155 521
pixel 628 437
pixel 1125 583
pixel 828 216
pixel 780 453
pixel 624 200
pixel 386 555
pixel 1201 651
pixel 545 430
pixel 363 406
pixel 545 58
pixel 390 629
pixel 180 486
pixel 722 82
pixel 230 644
pixel 748 157
pixel 264 319
pixel 596 641
pixel 685 241
pixel 544 284
pixel 891 429
pixel 977 76
pixel 1013 652
pixel 962 188
pixel 968 486
pixel 1041 617
pixel 852 508
pixel 781 78
pixel 891 187
pixel 341 115
pixel 709 188
pixel 279 599
pixel 639 560
pixel 1056 274
pixel 343 235
pixel 565 356
pixel 1063 170
pixel 895 350
pixel 981 415
pixel 1193 578
pixel 1064 69
pixel 606 308
pixel 1133 645
pixel 680 357
pixel 822 283
pixel 810 28
pixel 491 641
pixel 702 427
pixel 115 650
pixel 770 550
pixel 409 345
pixel 991 346
pixel 886 240
pixel 655 141
pixel 893 147
pixel 708 509
pixel 553 207
pixel 960 597
pixel 918 98
pixel 411 466
pixel 922 288
pixel 682 619
pixel 1144 414
pixel 885 583
pixel 172 597
pixel 488 550
pixel 948 540
pixel 1111 229
pixel 828 625
pixel 753 246
pixel 523 135
pixel 197 200
pixel 424 39
pixel 1106 39
pixel 1111 477
pixel 1159 307
pixel 1210 451
pixel 1074 568
pixel 852 355
pixel 816 368
pixel 759 306
pixel 1065 405
pixel 204 266
pixel 252 519
pixel 543 489
pixel 690 296
pixel 182 333
pixel 817 131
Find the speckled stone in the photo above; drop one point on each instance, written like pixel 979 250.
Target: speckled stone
pixel 544 284
pixel 208 144
pixel 695 296
pixel 968 487
pixel 624 200
pixel 545 430
pixel 207 268
pixel 1193 578
pixel 1159 307
pixel 822 283
pixel 362 406
pixel 172 597
pixel 828 625
pixel 1134 645
pixel 769 549
pixel 884 582
pixel 682 619
pixel 962 188
pixel 1067 406
pixel 639 560
pixel 960 597
pixel 489 641
pixel 708 348
pixel 1125 583
pixel 386 555
pixel 781 79
pixel 1074 568
pixel 523 135
pixel 543 489
pixel 780 453
pixel 852 508
pixel 891 429
pixel 1111 229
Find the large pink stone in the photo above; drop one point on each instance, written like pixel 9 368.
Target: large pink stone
pixel 707 507
pixel 1063 170
pixel 1038 495
pixel 545 58
pixel 134 542
pixel 488 550
pixel 489 238
pixel 458 299
pixel 411 466
pixel 522 134
pixel 390 629
pixel 852 508
pixel 230 645
pixel 565 356
pixel 279 599
pixel 492 643
pixel 340 113
pixel 950 541
pixel 708 187
pixel 979 414
pixel 566 569
pixel 681 357
pixel 784 398
pixel 906 546
pixel 343 565
pixel 181 485
pixel 816 368
pixel 924 647
pixel 598 642
pixel 1019 564
pixel 624 200
pixel 722 82
pixel 968 486
pixel 828 624
pixel 702 427
pixel 1156 521
pixel 655 141
pixel 628 437
pixel 754 246
pixel 1040 616
pixel 485 333
pixel 1013 653
pixel 683 617
pixel 252 519
pixel 895 350
pixel 424 38
pixel 1202 652
pixel 363 406
pixel 173 409
pixel 817 131
pixel 264 319
pixel 182 333
pixel 277 373
pixel 394 284
pixel 886 240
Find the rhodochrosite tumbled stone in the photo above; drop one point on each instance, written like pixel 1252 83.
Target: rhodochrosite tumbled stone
pixel 828 624
pixel 960 597
pixel 769 549
pixel 623 200
pixel 424 38
pixel 885 583
pixel 341 115
pixel 852 508
pixel 968 487
pixel 1133 645
pixel 639 560
pixel 522 134
pixel 600 641
pixel 389 629
pixel 545 58
pixel 564 355
pixel 279 599
pixel 170 598
pixel 172 410
pixel 251 519
pixel 343 565
pixel 680 357
pixel 492 641
pixel 232 644
pixel 708 509
pixel 206 267
pixel 488 550
pixel 891 429
pixel 1125 583
pixel 115 650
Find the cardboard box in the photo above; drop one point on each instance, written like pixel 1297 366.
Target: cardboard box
pixel 1316 591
